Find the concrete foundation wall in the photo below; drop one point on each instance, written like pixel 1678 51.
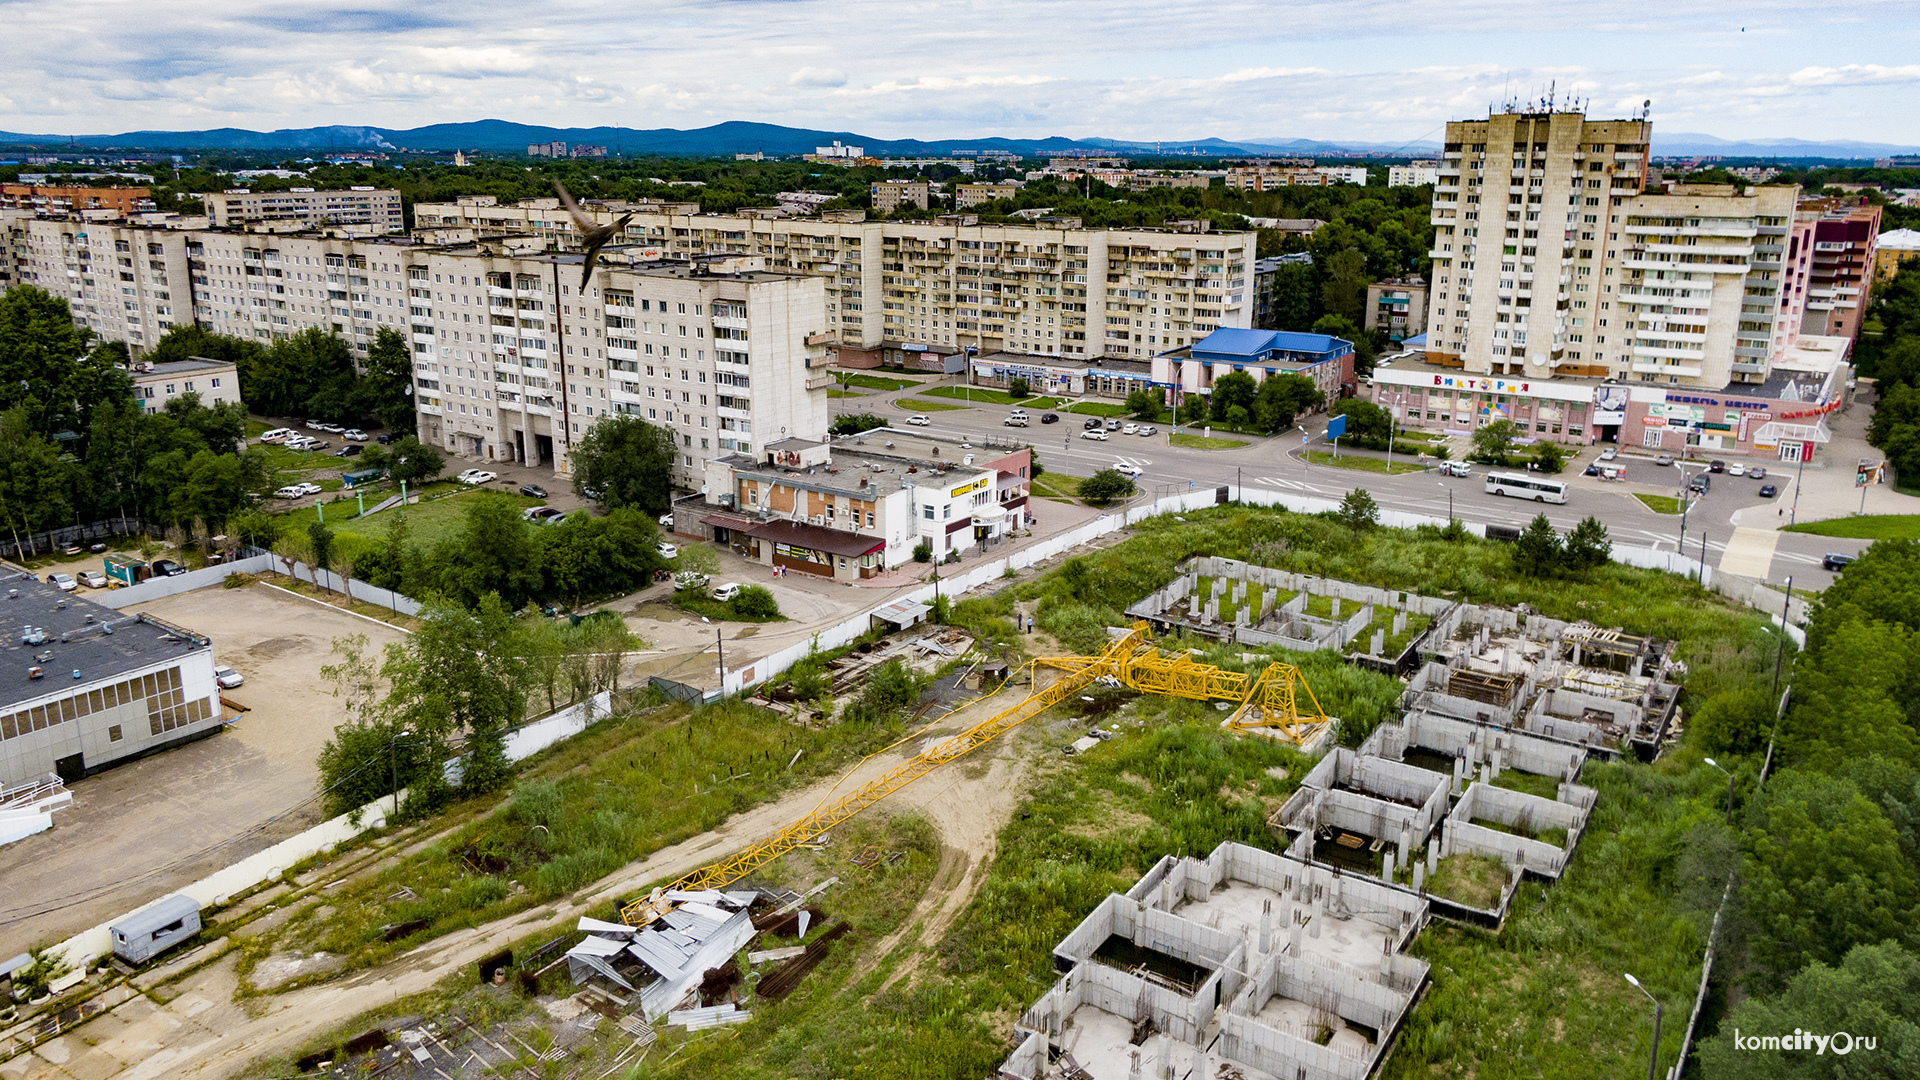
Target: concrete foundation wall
pixel 1028 1060
pixel 1516 852
pixel 1357 813
pixel 1519 809
pixel 1149 928
pixel 1283 1055
pixel 1475 743
pixel 1375 776
pixel 1116 992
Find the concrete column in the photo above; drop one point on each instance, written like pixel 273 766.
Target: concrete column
pixel 1266 926
pixel 1386 866
pixel 1166 1056
pixel 1485 776
pixel 1336 607
pixel 1420 877
pixel 1313 920
pixel 1133 1069
pixel 1496 762
pixel 1446 839
pixel 1406 841
pixel 1379 642
pixel 1433 854
pixel 1293 939
pixel 1399 623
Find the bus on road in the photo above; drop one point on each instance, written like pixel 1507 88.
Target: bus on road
pixel 1527 487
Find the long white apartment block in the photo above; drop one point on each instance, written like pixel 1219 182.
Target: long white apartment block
pixel 952 282
pixel 124 283
pixel 377 208
pixel 513 363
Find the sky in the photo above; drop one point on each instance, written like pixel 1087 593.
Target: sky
pixel 1363 70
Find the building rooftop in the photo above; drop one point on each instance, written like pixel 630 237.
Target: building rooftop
pixel 190 366
pixel 1257 346
pixel 1000 356
pixel 871 464
pixel 81 643
pixel 1900 240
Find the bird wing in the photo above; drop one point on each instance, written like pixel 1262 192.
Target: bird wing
pixel 580 220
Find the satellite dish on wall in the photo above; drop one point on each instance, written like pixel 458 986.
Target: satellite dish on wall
pixel 1536 359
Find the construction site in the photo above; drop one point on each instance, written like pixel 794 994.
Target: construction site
pixel 1247 964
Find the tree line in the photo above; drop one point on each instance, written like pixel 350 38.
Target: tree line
pixel 1892 358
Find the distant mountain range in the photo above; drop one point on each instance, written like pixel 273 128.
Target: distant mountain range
pixel 735 136
pixel 738 136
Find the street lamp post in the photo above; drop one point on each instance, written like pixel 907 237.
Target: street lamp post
pixel 1717 765
pixel 1443 484
pixel 1799 477
pixel 1653 1060
pixel 393 766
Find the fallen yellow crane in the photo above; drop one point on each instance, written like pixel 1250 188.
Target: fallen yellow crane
pixel 1265 701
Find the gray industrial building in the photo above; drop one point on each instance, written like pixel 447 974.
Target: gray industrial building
pixel 83 686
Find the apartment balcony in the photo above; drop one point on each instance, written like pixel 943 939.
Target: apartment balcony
pixel 1747 367
pixel 726 322
pixel 823 337
pixel 1650 367
pixel 819 378
pixel 499 293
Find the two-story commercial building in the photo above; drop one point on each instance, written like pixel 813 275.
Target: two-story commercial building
pixel 1325 359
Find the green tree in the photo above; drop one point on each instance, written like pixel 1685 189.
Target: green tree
pixel 1234 390
pixel 311 372
pixel 35 483
pixel 1365 347
pixel 1344 292
pixel 1106 486
pixel 1493 441
pixel 413 461
pixel 1193 408
pixel 628 461
pixel 1588 545
pixel 1358 511
pixel 494 554
pixel 320 550
pixel 1824 874
pixel 1538 552
pixel 1296 302
pixel 1874 990
pixel 39 352
pixel 385 387
pixel 1367 424
pixel 1145 403
pixel 1018 387
pixel 459 671
pixel 1281 398
pixel 755 602
pixel 1549 457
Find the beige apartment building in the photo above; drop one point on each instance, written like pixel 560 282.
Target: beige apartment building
pixel 910 286
pixel 307 208
pixel 891 195
pixel 971 195
pixel 512 363
pixel 125 283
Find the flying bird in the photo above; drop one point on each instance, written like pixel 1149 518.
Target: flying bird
pixel 593 236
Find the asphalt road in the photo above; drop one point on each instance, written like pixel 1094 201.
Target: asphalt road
pixel 1275 463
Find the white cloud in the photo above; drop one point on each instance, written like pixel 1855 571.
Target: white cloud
pixel 1173 69
pixel 813 76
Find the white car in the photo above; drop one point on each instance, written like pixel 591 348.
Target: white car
pixel 666 550
pixel 1609 454
pixel 93 579
pixel 1736 469
pixel 918 420
pixel 1130 429
pixel 1149 430
pixel 354 435
pixel 291 491
pixel 477 476
pixel 1456 468
pixel 297 442
pixel 1131 472
pixel 727 591
pixel 228 678
pixel 1094 433
pixel 63 582
pixel 278 434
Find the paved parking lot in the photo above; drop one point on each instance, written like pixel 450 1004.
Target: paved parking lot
pixel 139 831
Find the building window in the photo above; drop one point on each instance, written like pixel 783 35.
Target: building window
pixel 113 733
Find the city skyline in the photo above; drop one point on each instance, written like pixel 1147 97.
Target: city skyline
pixel 1330 70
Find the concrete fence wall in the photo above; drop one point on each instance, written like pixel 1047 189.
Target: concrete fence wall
pixel 160 587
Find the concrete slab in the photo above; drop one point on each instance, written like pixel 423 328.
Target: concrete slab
pixel 136 833
pixel 1749 552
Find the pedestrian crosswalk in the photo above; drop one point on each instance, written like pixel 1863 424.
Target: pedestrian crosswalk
pixel 1282 483
pixel 1138 463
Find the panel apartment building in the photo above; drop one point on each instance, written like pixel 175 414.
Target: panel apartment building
pixel 307 208
pixel 1570 299
pixel 897 287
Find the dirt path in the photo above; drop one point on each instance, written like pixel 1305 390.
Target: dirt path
pixel 202 1033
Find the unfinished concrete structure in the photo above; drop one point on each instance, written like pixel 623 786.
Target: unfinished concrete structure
pixel 1573 683
pixel 1230 600
pixel 1366 815
pixel 1243 963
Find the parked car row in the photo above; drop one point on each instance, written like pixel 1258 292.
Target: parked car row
pixel 477 476
pixel 295 491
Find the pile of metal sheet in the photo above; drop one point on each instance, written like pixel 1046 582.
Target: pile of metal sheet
pixel 666 960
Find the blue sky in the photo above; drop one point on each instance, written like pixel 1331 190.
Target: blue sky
pixel 1168 69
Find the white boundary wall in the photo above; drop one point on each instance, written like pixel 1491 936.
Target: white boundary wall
pixel 263 866
pixel 160 587
pixel 987 571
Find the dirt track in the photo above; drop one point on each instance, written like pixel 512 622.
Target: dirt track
pixel 202 1033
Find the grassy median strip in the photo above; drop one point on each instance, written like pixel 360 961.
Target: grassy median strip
pixel 918 405
pixel 980 395
pixel 876 382
pixel 1203 442
pixel 1864 527
pixel 1659 504
pixel 1364 464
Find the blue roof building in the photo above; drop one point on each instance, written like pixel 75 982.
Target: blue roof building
pixel 1325 359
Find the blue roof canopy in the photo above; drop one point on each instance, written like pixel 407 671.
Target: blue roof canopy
pixel 1260 346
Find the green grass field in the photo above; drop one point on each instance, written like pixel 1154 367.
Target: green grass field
pixel 433 519
pixel 1864 527
pixel 1053 485
pixel 1097 408
pixel 917 405
pixel 981 395
pixel 877 382
pixel 1202 442
pixel 1363 464
pixel 1659 504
